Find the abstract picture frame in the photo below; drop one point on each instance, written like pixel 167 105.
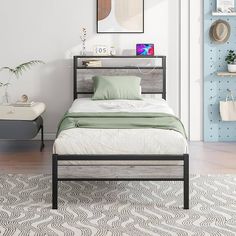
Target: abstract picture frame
pixel 120 16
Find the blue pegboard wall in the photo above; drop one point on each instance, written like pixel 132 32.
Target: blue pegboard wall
pixel 215 87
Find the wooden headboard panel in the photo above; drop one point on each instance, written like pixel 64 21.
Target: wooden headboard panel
pixel 153 77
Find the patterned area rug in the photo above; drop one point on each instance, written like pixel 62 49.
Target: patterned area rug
pixel 117 208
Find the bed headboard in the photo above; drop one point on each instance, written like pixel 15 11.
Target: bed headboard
pixel 152 70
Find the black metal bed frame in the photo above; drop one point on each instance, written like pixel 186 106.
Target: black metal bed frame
pixel 56 158
pixel 76 67
pixel 42 145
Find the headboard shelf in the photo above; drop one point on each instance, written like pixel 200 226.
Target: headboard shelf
pixel 136 57
pixel 119 67
pixel 153 75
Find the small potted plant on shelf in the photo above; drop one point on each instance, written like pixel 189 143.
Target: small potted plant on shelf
pixel 231 61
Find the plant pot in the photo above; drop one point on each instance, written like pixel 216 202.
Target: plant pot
pixel 232 68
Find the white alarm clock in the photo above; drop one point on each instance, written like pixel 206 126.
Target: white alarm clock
pixel 101 50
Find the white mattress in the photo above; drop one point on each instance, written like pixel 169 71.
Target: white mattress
pixel 120 141
pixel 21 113
pixel 145 105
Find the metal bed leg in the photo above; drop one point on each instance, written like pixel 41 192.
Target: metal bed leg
pixel 186 181
pixel 42 139
pixel 54 182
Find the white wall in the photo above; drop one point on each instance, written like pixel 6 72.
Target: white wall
pixel 184 65
pixel 191 68
pixel 49 30
pixel 196 70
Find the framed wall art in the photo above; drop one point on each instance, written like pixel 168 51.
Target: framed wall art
pixel 146 49
pixel 120 16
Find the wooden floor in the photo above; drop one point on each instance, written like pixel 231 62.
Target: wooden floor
pixel 25 157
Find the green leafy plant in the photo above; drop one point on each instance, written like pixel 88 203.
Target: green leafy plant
pixel 21 68
pixel 17 72
pixel 231 57
pixel 4 84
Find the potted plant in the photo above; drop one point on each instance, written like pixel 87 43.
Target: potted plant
pixel 16 72
pixel 231 61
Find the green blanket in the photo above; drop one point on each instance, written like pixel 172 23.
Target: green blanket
pixel 120 120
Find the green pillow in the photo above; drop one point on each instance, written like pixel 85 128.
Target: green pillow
pixel 117 87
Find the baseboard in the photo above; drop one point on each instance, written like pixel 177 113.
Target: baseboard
pixel 47 136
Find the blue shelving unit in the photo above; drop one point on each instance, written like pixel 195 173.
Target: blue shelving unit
pixel 215 87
